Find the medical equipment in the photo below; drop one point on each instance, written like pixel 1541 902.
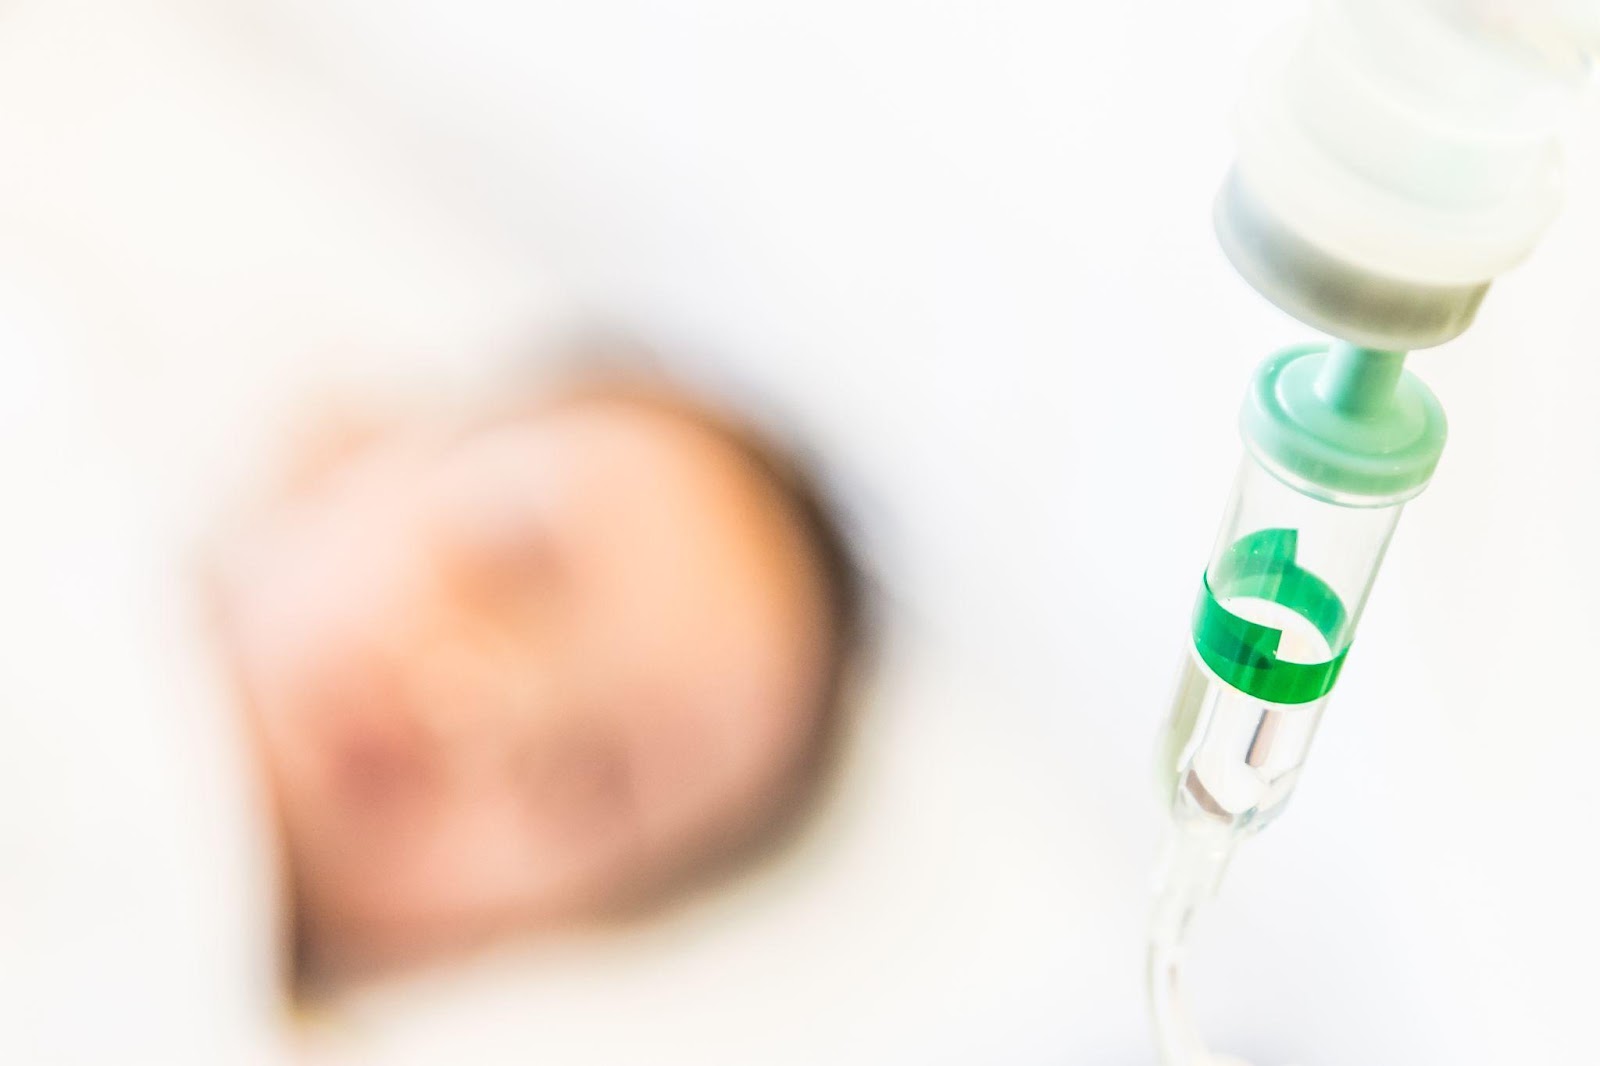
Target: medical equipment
pixel 1393 158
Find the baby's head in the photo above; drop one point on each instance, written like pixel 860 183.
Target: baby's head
pixel 535 669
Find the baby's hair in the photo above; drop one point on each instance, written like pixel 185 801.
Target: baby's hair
pixel 844 595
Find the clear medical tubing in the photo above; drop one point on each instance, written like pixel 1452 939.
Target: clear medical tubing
pixel 1196 857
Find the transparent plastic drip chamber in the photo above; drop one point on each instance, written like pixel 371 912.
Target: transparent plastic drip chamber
pixel 1232 755
pixel 1277 612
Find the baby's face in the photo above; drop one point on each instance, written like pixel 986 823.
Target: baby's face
pixel 514 677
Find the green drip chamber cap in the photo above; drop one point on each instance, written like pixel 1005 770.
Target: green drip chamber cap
pixel 1343 423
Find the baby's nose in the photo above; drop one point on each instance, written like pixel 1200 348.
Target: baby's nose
pixel 478 706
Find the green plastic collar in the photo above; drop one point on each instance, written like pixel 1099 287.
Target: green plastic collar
pixel 1346 424
pixel 1244 653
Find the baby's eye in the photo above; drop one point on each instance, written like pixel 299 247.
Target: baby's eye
pixel 503 565
pixel 523 557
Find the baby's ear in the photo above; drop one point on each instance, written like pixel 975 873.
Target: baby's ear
pixel 330 432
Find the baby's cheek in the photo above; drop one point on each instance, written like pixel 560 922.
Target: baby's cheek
pixel 474 870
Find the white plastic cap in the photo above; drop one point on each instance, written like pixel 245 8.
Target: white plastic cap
pixel 1406 143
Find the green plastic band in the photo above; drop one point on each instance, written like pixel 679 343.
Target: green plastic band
pixel 1244 653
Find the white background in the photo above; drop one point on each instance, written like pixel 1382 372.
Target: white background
pixel 964 250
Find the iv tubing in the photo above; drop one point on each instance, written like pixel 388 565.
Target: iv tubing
pixel 1197 856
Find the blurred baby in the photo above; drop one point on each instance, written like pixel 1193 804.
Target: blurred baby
pixel 536 667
